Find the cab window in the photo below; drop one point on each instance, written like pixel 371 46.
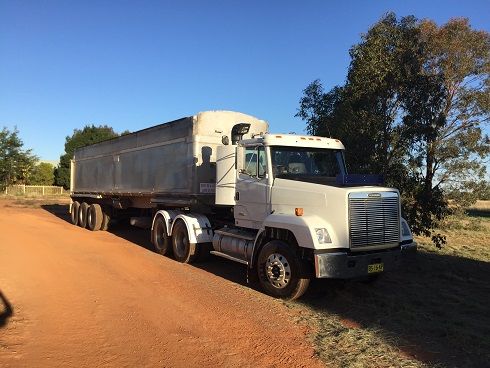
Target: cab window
pixel 255 162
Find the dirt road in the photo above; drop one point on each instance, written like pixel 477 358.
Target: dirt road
pixel 75 298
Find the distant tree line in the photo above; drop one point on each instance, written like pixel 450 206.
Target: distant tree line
pixel 16 163
pixel 413 107
pixel 19 165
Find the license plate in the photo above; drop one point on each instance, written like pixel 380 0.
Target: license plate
pixel 376 267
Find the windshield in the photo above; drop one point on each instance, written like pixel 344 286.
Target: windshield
pixel 319 165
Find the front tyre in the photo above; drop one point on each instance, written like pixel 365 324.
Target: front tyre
pixel 281 271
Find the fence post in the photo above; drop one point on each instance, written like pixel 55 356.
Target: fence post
pixel 61 190
pixel 24 188
pixel 43 190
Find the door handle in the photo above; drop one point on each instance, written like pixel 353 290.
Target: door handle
pixel 237 196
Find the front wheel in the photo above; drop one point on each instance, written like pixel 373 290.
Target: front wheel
pixel 281 271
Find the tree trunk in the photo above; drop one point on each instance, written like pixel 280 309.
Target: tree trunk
pixel 429 170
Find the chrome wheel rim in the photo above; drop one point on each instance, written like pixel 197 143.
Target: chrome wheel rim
pixel 278 270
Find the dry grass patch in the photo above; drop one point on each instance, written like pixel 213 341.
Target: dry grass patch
pixel 32 202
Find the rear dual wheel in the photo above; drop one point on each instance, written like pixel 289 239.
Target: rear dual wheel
pixel 75 207
pixel 160 238
pixel 178 244
pixel 106 218
pixel 94 217
pixel 82 215
pixel 89 216
pixel 184 251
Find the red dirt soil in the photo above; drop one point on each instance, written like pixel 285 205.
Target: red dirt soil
pixel 93 299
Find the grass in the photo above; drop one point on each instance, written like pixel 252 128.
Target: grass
pixel 434 312
pixel 33 201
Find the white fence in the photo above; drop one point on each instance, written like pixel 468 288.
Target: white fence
pixel 34 190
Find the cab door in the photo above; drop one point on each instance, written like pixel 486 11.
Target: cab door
pixel 252 188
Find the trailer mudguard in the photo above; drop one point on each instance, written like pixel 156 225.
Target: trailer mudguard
pixel 168 216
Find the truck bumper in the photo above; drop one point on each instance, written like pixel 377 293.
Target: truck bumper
pixel 343 265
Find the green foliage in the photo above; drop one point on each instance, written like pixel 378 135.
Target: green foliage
pixel 484 191
pixel 90 134
pixel 15 162
pixel 413 107
pixel 42 174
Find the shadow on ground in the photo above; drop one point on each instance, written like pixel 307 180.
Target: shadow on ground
pixel 221 267
pixel 436 308
pixel 478 212
pixel 6 310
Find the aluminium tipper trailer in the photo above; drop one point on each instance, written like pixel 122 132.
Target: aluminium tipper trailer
pixel 172 164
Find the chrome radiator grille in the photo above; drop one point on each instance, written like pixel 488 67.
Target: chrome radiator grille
pixel 374 219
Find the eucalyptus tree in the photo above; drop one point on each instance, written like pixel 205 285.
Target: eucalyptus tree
pixel 16 162
pixel 413 107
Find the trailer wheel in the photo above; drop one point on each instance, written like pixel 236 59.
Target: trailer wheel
pixel 160 239
pixel 184 251
pixel 281 271
pixel 106 219
pixel 74 212
pixel 82 215
pixel 94 217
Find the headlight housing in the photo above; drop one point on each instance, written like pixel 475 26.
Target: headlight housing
pixel 323 236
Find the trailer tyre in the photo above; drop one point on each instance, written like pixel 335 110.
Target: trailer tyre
pixel 281 272
pixel 160 239
pixel 94 217
pixel 75 207
pixel 184 251
pixel 106 219
pixel 82 215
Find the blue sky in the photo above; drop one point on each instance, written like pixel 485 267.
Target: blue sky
pixel 133 64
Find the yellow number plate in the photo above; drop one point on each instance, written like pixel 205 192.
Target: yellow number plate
pixel 377 267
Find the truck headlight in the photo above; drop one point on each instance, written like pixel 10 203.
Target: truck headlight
pixel 405 229
pixel 323 236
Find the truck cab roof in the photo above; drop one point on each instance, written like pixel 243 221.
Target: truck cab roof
pixel 294 140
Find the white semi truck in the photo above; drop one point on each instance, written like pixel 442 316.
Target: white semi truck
pixel 218 182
